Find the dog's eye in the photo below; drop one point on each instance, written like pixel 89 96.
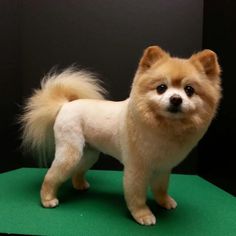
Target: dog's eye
pixel 161 88
pixel 189 90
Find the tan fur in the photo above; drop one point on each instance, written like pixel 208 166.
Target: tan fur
pixel 176 133
pixel 142 132
pixel 178 69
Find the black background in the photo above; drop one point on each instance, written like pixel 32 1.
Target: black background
pixel 108 37
pixel 217 149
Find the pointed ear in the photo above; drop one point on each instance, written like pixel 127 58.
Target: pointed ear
pixel 207 61
pixel 150 56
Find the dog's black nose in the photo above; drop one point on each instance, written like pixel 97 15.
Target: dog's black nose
pixel 176 100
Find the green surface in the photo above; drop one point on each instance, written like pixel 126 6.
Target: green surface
pixel 203 209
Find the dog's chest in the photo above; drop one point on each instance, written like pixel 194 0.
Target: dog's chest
pixel 163 151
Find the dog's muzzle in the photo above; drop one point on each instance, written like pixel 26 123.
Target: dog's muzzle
pixel 175 104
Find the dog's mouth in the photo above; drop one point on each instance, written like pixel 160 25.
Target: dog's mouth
pixel 174 112
pixel 174 109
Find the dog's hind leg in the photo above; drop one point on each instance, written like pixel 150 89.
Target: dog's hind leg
pixel 69 150
pixel 90 156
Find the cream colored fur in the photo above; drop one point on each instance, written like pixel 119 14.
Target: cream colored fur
pixel 141 132
pixel 41 109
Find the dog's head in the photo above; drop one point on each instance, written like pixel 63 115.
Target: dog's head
pixel 173 89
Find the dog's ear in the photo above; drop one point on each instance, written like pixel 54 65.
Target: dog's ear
pixel 207 62
pixel 150 56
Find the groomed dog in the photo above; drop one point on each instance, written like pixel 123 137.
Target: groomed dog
pixel 171 105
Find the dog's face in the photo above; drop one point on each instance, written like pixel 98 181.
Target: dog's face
pixel 170 88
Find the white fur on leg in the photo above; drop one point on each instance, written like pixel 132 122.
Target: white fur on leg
pixel 50 203
pixel 167 202
pixel 80 184
pixel 144 217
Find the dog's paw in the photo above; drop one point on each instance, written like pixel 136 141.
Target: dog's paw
pixel 167 202
pixel 145 217
pixel 50 203
pixel 81 185
pixel 146 220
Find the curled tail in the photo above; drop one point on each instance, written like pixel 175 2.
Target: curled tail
pixel 42 107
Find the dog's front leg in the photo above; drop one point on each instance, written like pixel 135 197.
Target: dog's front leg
pixel 135 187
pixel 159 185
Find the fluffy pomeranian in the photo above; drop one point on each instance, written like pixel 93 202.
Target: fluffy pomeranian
pixel 171 105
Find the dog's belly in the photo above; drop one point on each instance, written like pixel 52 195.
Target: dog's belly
pixel 104 139
pixel 100 124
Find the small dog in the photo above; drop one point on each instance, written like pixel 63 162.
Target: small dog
pixel 171 105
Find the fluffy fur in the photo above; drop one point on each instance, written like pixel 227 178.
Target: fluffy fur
pixel 171 105
pixel 42 108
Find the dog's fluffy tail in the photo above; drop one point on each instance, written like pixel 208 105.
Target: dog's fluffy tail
pixel 41 109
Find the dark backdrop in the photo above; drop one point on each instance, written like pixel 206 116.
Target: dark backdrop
pixel 105 36
pixel 217 149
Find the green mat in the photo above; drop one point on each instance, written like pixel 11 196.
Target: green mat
pixel 203 209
